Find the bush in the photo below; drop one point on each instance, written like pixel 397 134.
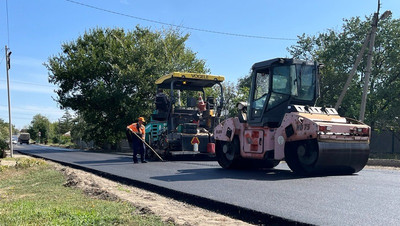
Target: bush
pixel 3 168
pixel 3 147
pixel 55 140
pixel 23 163
pixel 65 140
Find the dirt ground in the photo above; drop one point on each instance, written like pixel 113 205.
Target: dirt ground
pixel 169 210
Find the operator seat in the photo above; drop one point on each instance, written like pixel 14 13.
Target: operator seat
pixel 242 111
pixel 162 102
pixel 191 102
pixel 210 102
pixel 162 105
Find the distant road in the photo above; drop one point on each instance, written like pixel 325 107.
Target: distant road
pixel 371 197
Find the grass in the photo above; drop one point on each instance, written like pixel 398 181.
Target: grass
pixel 32 193
pixel 384 156
pixel 64 145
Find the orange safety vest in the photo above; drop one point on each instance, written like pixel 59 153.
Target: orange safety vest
pixel 134 127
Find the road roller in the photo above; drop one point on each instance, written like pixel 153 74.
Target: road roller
pixel 281 122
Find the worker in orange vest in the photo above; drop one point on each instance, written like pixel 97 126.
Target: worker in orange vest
pixel 200 103
pixel 134 141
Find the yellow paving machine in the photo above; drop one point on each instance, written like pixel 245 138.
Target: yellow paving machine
pixel 184 118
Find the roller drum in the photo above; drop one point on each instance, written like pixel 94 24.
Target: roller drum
pixel 322 157
pixel 342 157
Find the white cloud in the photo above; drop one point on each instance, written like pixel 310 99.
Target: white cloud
pixel 28 62
pixel 53 111
pixel 125 2
pixel 22 116
pixel 19 86
pixel 31 89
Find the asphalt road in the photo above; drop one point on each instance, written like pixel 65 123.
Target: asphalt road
pixel 370 197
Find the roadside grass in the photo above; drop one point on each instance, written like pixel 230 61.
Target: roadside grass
pixel 63 145
pixel 395 156
pixel 32 193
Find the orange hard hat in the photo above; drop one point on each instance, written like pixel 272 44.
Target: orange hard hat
pixel 141 119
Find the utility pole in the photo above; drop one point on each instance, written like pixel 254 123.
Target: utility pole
pixel 369 39
pixel 369 60
pixel 8 66
pixel 353 71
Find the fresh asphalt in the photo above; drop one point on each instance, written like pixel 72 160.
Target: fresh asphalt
pixel 370 197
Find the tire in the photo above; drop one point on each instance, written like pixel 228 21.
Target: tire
pixel 228 153
pixel 302 156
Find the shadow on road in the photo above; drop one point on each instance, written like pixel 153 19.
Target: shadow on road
pixel 219 173
pixel 40 151
pixel 114 161
pixel 37 149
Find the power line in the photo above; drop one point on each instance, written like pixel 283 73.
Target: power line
pixel 32 110
pixel 180 26
pixel 29 83
pixel 14 117
pixel 18 112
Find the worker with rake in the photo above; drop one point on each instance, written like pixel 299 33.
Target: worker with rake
pixel 135 133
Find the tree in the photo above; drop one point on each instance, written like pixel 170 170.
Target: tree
pixel 54 136
pixel 39 124
pixel 78 129
pixel 65 123
pixel 108 75
pixel 337 50
pixel 235 93
pixel 5 130
pixel 5 135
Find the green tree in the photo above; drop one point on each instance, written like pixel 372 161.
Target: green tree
pixel 337 50
pixel 39 124
pixel 235 93
pixel 5 130
pixel 54 136
pixel 65 123
pixel 4 135
pixel 108 75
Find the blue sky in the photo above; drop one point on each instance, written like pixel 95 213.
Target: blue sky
pixel 36 30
